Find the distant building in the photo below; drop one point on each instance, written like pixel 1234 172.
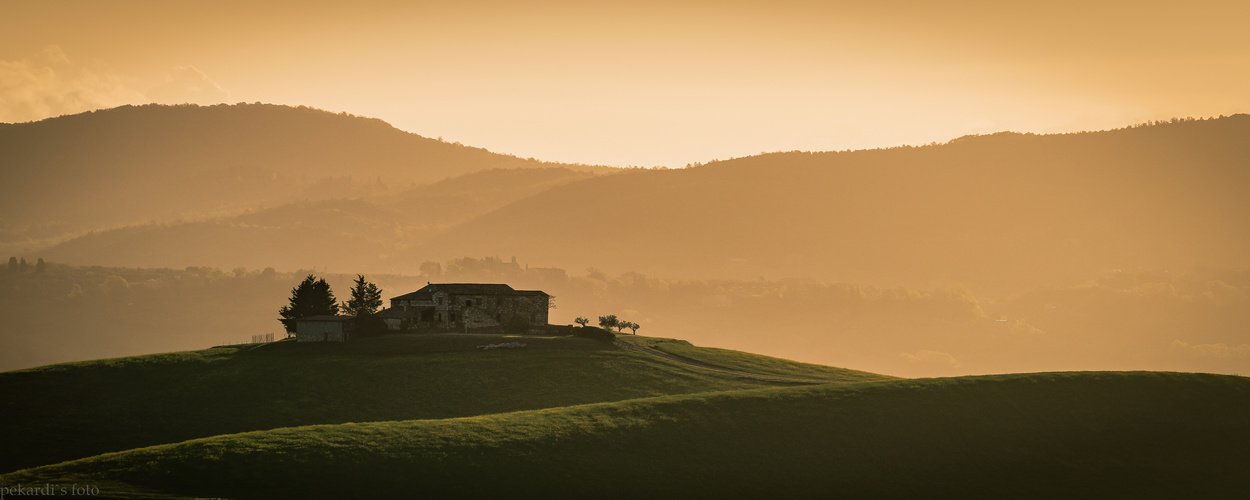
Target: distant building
pixel 323 328
pixel 453 306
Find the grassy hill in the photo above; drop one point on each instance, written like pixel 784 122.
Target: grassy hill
pixel 75 410
pixel 746 362
pixel 1045 435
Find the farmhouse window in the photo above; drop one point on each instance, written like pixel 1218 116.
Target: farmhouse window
pixel 468 303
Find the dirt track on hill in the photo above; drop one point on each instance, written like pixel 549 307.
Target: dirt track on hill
pixel 736 373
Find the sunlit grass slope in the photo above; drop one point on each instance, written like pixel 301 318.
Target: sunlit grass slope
pixel 66 411
pixel 1049 435
pixel 751 363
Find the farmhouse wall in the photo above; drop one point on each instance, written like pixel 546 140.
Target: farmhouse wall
pixel 487 310
pixel 319 331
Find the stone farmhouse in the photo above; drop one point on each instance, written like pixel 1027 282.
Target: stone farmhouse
pixel 456 306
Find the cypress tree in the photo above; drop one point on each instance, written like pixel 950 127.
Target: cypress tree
pixel 312 297
pixel 366 298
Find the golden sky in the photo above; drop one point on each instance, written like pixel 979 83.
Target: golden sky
pixel 645 83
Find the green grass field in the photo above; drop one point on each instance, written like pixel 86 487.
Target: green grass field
pixel 432 417
pixel 752 363
pixel 1050 435
pixel 74 410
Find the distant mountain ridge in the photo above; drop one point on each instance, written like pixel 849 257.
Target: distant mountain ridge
pixel 136 164
pixel 1003 212
pixel 344 233
pixel 1123 248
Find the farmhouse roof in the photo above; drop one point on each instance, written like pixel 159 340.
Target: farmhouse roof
pixel 417 295
pixel 392 312
pixel 530 292
pixel 468 288
pixel 428 290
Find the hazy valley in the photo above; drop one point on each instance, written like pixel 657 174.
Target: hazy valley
pixel 1037 276
pixel 1120 249
pixel 634 250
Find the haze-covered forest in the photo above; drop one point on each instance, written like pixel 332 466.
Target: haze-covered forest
pixel 342 233
pixel 1002 213
pixel 164 164
pixel 1162 321
pixel 177 227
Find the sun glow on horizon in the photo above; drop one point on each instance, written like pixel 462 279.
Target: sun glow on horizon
pixel 647 83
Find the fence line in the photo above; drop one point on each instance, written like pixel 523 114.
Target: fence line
pixel 256 339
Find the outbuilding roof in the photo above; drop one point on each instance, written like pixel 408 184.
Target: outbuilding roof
pixel 324 317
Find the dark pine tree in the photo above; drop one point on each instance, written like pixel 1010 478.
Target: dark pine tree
pixel 312 297
pixel 366 298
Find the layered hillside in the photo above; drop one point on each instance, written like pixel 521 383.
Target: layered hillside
pixel 358 233
pixel 1001 213
pixel 138 164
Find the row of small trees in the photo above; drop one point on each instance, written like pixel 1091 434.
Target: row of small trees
pixel 16 266
pixel 313 297
pixel 610 321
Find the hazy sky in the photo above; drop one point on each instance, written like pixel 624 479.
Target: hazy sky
pixel 645 83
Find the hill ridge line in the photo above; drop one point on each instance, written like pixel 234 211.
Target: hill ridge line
pixel 696 364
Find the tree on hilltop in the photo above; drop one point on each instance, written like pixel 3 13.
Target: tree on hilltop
pixel 366 298
pixel 632 326
pixel 581 321
pixel 608 321
pixel 431 269
pixel 312 297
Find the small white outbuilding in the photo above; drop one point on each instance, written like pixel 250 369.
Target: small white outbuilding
pixel 323 328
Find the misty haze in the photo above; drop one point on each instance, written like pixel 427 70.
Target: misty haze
pixel 468 260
